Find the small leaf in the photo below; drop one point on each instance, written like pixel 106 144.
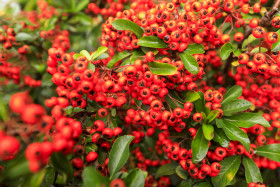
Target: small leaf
pixel 195 49
pixel 76 56
pixel 226 50
pixel 237 105
pixel 61 163
pixel 212 115
pixel 200 146
pixel 49 177
pixel 191 96
pixel 92 178
pixel 208 131
pixel 186 183
pixel 85 54
pixel 167 169
pixel 22 36
pixel 162 68
pixel 148 49
pixel 183 174
pixel 152 41
pixel 229 168
pixel 117 58
pixel 102 56
pixel 91 66
pixel 119 153
pixel 220 137
pixel 249 40
pixel 271 151
pixel 236 52
pixel 98 52
pixel 235 63
pixel 276 46
pixel 123 24
pixel 135 178
pixel 81 5
pixel 189 62
pixel 257 50
pixel 252 171
pixel 200 103
pixel 233 93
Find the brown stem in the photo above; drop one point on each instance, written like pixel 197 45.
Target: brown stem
pixel 276 4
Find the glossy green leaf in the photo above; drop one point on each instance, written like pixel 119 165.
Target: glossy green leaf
pixel 233 93
pixel 220 137
pixel 200 103
pixel 271 151
pixel 276 46
pixel 226 50
pixel 200 146
pixel 49 177
pixel 123 24
pixel 234 133
pixel 229 168
pixel 135 178
pixel 183 174
pixel 61 163
pixel 191 96
pixel 252 171
pixel 212 115
pixel 237 105
pixel 102 56
pixel 259 50
pixel 247 119
pixel 166 169
pixel 85 54
pixel 76 56
pixel 98 52
pixel 195 49
pixel 23 36
pixel 81 5
pixel 92 178
pixel 152 41
pixel 236 52
pixel 249 40
pixel 208 131
pixel 189 62
pixel 162 68
pixel 91 66
pixel 117 58
pixel 119 153
pixel 37 178
pixel 148 49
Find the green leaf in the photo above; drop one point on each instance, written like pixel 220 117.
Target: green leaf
pixel 249 40
pixel 233 93
pixel 200 103
pixel 117 58
pixel 81 5
pixel 91 66
pixel 22 36
pixel 212 115
pixel 220 137
pixel 148 49
pixel 271 151
pixel 50 24
pixel 203 184
pixel 183 174
pixel 102 56
pixel 98 52
pixel 37 178
pixel 200 146
pixel 3 111
pixel 257 50
pixel 186 183
pixel 119 153
pixel 195 49
pixel 90 147
pixel 162 68
pixel 85 54
pixel 152 41
pixel 237 105
pixel 234 133
pixel 92 178
pixel 191 96
pixel 208 131
pixel 247 119
pixel 229 168
pixel 236 52
pixel 123 24
pixel 76 56
pixel 252 171
pixel 61 163
pixel 276 46
pixel 135 178
pixel 226 50
pixel 189 62
pixel 49 177
pixel 167 169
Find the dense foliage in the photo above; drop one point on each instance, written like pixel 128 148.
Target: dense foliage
pixel 140 93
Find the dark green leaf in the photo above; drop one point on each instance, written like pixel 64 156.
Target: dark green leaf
pixel 199 146
pixel 167 169
pixel 212 115
pixel 22 36
pixel 85 54
pixel 208 131
pixel 189 62
pixel 117 58
pixel 237 105
pixel 191 96
pixel 203 184
pixel 258 50
pixel 135 178
pixel 247 119
pixel 234 133
pixel 200 103
pixel 91 147
pixel 119 153
pixel 61 163
pixel 220 137
pixel 271 151
pixel 252 172
pixel 98 52
pixel 148 49
pixel 233 93
pixel 229 168
pixel 225 51
pixel 276 46
pixel 92 178
pixel 186 183
pixel 49 177
pixel 81 5
pixel 37 178
pixel 152 41
pixel 162 68
pixel 183 174
pixel 123 24
pixel 173 103
pixel 195 49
